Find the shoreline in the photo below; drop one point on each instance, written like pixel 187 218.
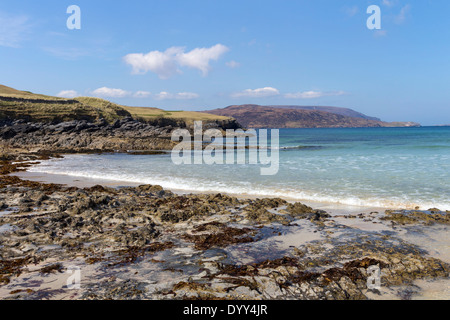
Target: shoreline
pixel 84 182
pixel 145 242
pixel 338 198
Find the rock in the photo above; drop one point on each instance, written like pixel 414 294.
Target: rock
pixel 83 136
pixel 25 201
pixel 262 215
pixel 428 217
pixel 29 247
pixel 208 246
pixel 299 210
pixel 7 133
pixel 65 126
pixel 152 189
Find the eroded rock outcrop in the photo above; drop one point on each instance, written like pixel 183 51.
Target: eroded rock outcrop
pixel 83 136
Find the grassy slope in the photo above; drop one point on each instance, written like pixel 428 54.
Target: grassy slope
pixel 10 92
pixel 49 109
pixel 188 116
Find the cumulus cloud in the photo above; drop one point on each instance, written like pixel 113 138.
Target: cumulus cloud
pixel 13 29
pixel 186 96
pixel 257 93
pixel 200 58
pixel 70 94
pixel 141 94
pixel 105 92
pixel 312 94
pixel 162 63
pixel 176 96
pixel 166 64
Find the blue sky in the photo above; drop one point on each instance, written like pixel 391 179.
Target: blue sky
pixel 199 54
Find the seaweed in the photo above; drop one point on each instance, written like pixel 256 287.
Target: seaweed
pixel 224 237
pixel 192 286
pixel 133 254
pixel 241 282
pixel 236 270
pixel 284 261
pixel 99 188
pixel 411 217
pixel 53 268
pixel 13 267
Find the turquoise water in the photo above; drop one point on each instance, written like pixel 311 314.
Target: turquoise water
pixel 382 167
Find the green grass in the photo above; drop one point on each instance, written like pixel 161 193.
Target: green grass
pixel 42 112
pixel 85 108
pixel 41 108
pixel 105 109
pixel 13 93
pixel 188 116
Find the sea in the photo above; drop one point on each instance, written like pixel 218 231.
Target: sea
pixel 397 168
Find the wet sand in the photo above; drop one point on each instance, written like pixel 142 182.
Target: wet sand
pixel 322 245
pixel 435 239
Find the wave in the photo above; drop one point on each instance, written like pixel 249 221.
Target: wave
pixel 432 147
pixel 188 185
pixel 300 148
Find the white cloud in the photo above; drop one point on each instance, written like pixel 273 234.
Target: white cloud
pixel 257 93
pixel 162 63
pixel 186 96
pixel 141 94
pixel 312 94
pixel 163 96
pixel 200 58
pixel 166 64
pixel 13 29
pixel 68 94
pixel 177 96
pixel 401 17
pixel 233 64
pixel 105 92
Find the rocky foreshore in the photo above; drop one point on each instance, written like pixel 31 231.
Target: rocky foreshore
pixel 84 136
pixel 149 243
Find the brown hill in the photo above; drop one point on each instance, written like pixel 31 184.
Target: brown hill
pixel 337 110
pixel 255 116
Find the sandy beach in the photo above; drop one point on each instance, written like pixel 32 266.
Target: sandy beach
pixel 263 154
pixel 70 238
